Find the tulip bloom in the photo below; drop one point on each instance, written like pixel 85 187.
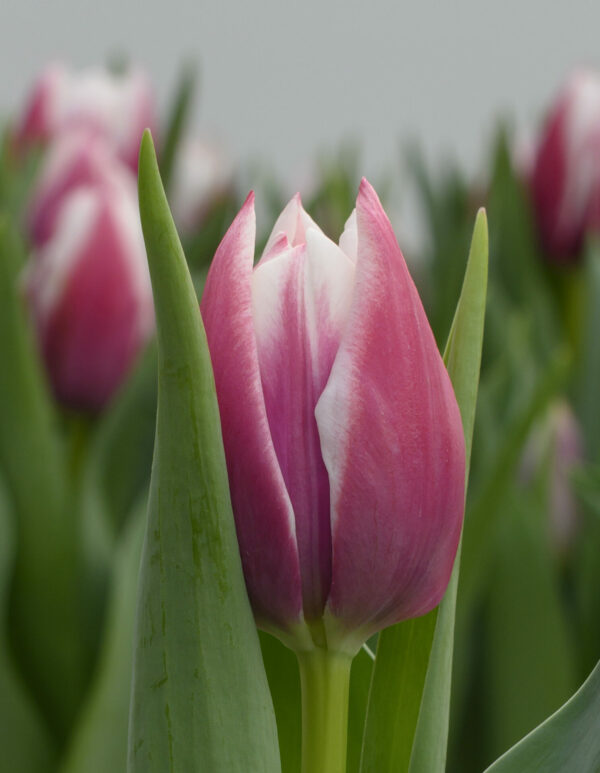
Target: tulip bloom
pixel 117 106
pixel 565 181
pixel 89 292
pixel 202 175
pixel 78 157
pixel 342 434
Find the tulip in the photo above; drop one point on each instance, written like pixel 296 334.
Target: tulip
pixel 78 157
pixel 89 293
pixel 565 180
pixel 117 106
pixel 342 435
pixel 203 174
pixel 556 448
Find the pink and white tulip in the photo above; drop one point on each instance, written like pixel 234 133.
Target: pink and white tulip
pixel 117 106
pixel 78 157
pixel 565 180
pixel 342 434
pixel 203 173
pixel 90 296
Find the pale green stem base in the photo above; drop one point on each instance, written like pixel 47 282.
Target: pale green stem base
pixel 325 681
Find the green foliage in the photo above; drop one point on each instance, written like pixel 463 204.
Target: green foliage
pixel 200 698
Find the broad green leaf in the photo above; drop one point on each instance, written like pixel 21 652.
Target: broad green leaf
pixel 47 623
pixel 176 125
pixel 407 718
pixel 529 663
pixel 200 699
pixel 99 742
pixel 25 741
pixel 567 742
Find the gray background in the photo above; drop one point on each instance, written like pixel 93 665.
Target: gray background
pixel 281 80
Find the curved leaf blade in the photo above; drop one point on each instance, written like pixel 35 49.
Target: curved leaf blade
pixel 567 742
pixel 200 699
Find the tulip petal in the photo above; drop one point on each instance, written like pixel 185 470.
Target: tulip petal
pixel 301 297
pixel 261 505
pixel 392 441
pixel 292 222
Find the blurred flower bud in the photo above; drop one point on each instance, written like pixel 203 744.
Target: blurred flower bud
pixel 558 443
pixel 89 292
pixel 117 106
pixel 78 157
pixel 565 180
pixel 342 434
pixel 203 174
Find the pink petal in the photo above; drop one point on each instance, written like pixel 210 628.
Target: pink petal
pixel 392 441
pixel 261 505
pixel 300 298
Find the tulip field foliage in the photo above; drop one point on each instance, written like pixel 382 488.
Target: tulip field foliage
pixel 117 541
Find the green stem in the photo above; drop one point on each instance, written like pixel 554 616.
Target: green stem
pixel 325 680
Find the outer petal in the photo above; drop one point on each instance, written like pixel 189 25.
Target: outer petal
pixel 300 297
pixel 261 505
pixel 393 444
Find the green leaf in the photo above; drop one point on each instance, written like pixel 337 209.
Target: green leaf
pixel 176 125
pixel 281 665
pixel 99 742
pixel 361 673
pixel 407 719
pixel 588 386
pixel 200 699
pixel 47 623
pixel 567 742
pixel 25 741
pixel 463 360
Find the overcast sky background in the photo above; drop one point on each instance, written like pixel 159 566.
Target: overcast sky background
pixel 281 80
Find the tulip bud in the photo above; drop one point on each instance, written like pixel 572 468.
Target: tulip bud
pixel 89 292
pixel 342 434
pixel 117 106
pixel 78 157
pixel 565 181
pixel 557 442
pixel 202 175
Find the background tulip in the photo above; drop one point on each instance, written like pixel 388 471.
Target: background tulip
pixel 343 438
pixel 566 174
pixel 202 175
pixel 119 106
pixel 78 157
pixel 89 293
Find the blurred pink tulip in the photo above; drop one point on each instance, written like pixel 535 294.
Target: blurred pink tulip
pixel 89 292
pixel 342 434
pixel 117 106
pixel 203 173
pixel 78 157
pixel 565 180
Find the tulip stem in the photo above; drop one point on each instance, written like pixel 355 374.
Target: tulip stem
pixel 325 680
